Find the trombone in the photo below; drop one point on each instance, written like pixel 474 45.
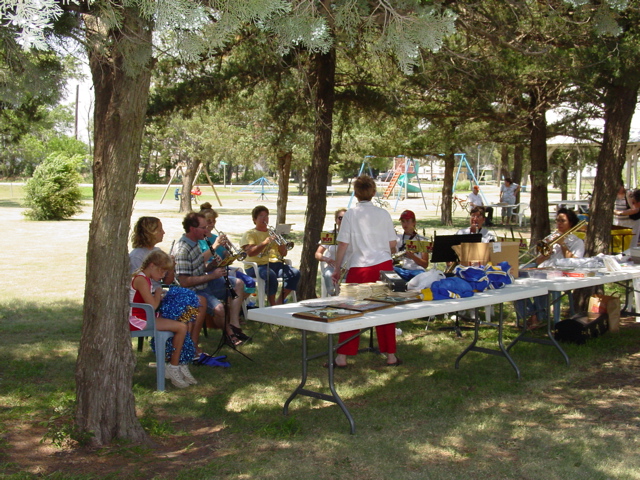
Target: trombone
pixel 545 246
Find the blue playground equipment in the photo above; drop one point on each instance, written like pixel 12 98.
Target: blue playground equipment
pixel 410 187
pixel 262 185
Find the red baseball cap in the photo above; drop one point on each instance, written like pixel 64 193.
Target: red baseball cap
pixel 407 215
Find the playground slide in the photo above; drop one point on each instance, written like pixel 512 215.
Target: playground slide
pixel 410 188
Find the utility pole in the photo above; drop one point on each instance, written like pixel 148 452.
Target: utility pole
pixel 76 117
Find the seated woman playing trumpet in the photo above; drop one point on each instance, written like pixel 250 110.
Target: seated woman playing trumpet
pixel 216 249
pixel 267 249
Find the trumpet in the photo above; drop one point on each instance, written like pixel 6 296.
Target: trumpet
pixel 279 239
pixel 232 250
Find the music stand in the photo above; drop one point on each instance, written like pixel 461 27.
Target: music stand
pixel 229 292
pixel 442 252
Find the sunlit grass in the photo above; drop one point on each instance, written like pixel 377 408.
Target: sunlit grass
pixel 423 420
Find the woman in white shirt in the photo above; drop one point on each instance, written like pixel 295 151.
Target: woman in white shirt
pixel 569 246
pixel 508 193
pixel 367 239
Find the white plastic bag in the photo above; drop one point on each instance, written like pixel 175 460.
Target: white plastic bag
pixel 425 279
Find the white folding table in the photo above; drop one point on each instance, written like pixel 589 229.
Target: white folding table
pixel 558 287
pixel 282 315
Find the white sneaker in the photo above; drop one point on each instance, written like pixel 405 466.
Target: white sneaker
pixel 186 374
pixel 173 373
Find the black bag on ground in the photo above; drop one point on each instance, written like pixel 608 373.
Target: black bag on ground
pixel 581 327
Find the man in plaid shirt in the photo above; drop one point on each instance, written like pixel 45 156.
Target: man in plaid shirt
pixel 191 273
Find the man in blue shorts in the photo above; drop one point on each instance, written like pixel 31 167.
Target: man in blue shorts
pixel 210 286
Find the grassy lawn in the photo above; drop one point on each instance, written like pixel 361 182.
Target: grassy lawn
pixel 423 420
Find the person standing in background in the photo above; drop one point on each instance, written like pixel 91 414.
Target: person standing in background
pixel 632 214
pixel 508 192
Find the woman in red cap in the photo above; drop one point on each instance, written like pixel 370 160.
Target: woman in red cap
pixel 411 264
pixel 366 239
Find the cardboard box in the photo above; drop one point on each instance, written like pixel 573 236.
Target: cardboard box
pixel 495 252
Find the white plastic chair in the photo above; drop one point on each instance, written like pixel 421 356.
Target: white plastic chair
pixel 521 208
pixel 262 298
pixel 160 339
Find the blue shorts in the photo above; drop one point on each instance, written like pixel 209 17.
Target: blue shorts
pixel 212 301
pixel 216 291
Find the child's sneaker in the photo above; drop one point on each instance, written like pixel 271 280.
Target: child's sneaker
pixel 186 374
pixel 173 373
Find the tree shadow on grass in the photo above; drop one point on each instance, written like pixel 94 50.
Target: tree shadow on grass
pixel 10 204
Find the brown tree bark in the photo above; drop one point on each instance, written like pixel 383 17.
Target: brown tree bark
pixel 619 109
pixel 323 78
pixel 284 171
pixel 188 180
pixel 539 176
pixel 518 160
pixel 104 369
pixel 504 161
pixel 620 104
pixel 447 189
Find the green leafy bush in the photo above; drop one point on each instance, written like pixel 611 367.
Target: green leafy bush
pixel 53 192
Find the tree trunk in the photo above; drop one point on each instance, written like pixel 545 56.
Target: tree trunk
pixel 564 181
pixel 447 189
pixel 619 108
pixel 518 160
pixel 539 177
pixel 104 370
pixel 188 180
pixel 504 161
pixel 518 157
pixel 284 171
pixel 323 79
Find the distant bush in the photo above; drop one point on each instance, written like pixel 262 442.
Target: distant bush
pixel 151 177
pixel 53 192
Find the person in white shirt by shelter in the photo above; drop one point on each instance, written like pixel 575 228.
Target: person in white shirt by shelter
pixel 475 200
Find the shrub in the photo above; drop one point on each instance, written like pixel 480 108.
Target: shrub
pixel 53 192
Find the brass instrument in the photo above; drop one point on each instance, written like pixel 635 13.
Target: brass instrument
pixel 544 247
pixel 414 246
pixel 344 269
pixel 279 239
pixel 231 249
pixel 397 257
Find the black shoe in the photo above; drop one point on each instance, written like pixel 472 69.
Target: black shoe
pixel 240 334
pixel 233 341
